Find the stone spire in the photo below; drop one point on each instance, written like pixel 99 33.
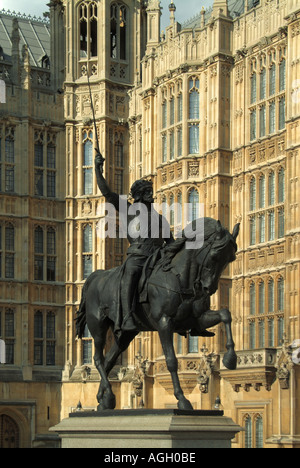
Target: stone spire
pixel 220 7
pixel 172 9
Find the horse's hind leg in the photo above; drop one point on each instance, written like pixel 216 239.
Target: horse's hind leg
pixel 105 396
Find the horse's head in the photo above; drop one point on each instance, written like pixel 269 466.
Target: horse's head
pixel 215 257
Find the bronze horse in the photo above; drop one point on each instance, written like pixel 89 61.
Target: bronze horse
pixel 178 300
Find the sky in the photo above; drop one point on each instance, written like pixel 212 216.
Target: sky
pixel 185 9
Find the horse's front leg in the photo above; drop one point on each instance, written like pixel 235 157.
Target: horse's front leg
pixel 165 330
pixel 211 318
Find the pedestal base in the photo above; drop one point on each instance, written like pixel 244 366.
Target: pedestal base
pixel 140 429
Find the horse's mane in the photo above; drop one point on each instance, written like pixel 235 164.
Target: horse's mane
pixel 210 226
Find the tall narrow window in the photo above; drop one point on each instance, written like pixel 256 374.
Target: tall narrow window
pixel 193 205
pixel 262 227
pixel 87 342
pixel 282 69
pixel 281 113
pixel 10 163
pixel 262 121
pixel 271 336
pixel 259 432
pixel 118 31
pixel 88 163
pixel 271 225
pixel 164 114
pixel 87 251
pixel 39 165
pixel 252 230
pixel 9 251
pixel 51 254
pixel 280 334
pixel 248 432
pixel 252 194
pixel 253 89
pixel 252 299
pixel 119 168
pixel 194 104
pixel 272 80
pixel 38 338
pixel 281 222
pixel 261 302
pixel 179 107
pixel 172 110
pixel 262 189
pixel 271 188
pixel 272 121
pixel 51 171
pixel 261 328
pixel 50 339
pixel 164 148
pixel 280 294
pixel 263 80
pixel 252 335
pixel 9 335
pixel 194 139
pixel 281 186
pixel 179 141
pixel 88 21
pixel 253 125
pixel 38 254
pixel 271 299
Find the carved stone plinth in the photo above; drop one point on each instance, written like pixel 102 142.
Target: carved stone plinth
pixel 147 429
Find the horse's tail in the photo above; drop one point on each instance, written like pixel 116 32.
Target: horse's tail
pixel 80 318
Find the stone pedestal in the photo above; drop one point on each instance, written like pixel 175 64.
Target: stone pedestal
pixel 140 429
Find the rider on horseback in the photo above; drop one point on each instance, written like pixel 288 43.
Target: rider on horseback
pixel 141 247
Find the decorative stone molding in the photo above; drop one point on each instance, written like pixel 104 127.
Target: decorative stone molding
pixel 255 369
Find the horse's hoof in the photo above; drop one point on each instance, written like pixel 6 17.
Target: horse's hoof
pixel 230 360
pixel 185 405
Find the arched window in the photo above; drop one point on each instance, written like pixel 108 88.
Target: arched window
pixel 253 194
pixel 248 432
pixel 87 249
pixel 88 21
pixel 271 297
pixel 261 298
pixel 262 191
pixel 263 76
pixel 271 188
pixel 272 81
pixel 281 186
pixel 10 251
pixel 252 294
pixel 259 432
pixel 280 294
pixel 282 72
pixel 38 253
pixel 88 163
pixel 118 31
pixel 193 205
pixel 51 252
pixel 253 89
pixel 193 102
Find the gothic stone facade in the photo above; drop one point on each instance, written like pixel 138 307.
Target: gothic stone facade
pixel 208 111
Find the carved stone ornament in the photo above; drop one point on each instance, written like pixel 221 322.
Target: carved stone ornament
pixel 205 369
pixel 284 366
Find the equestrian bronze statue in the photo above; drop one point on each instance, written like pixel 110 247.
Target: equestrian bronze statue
pixel 162 286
